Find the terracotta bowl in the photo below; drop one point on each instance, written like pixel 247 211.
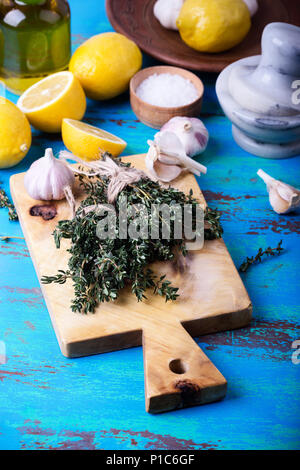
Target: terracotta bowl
pixel 157 116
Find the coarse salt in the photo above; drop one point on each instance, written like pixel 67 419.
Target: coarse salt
pixel 167 90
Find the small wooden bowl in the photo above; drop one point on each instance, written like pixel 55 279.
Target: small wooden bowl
pixel 157 116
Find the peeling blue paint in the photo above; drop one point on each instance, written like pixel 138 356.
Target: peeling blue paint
pixel 48 401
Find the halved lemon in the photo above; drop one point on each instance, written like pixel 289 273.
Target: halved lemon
pixel 89 142
pixel 52 99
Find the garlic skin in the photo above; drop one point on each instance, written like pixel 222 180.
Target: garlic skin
pixel 166 158
pixel 167 12
pixel 252 6
pixel 191 132
pixel 283 197
pixel 48 177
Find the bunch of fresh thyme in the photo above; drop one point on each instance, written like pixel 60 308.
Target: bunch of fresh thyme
pixel 258 257
pixel 5 202
pixel 99 268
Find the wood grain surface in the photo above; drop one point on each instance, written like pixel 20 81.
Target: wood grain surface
pixel 212 298
pixel 135 19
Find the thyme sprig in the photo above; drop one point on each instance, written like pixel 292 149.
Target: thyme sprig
pixel 213 228
pixel 100 268
pixel 5 202
pixel 7 238
pixel 258 257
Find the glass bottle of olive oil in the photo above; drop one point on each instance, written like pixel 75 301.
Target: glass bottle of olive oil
pixel 34 41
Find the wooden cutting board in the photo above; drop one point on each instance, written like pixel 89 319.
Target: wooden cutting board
pixel 212 298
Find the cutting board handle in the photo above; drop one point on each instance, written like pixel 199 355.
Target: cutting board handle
pixel 177 372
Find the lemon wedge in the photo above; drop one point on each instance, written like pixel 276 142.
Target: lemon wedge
pixel 89 142
pixel 52 99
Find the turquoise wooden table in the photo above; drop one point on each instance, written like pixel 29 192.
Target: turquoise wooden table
pixel 50 402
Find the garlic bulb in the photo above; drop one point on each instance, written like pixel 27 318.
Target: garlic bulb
pixel 166 158
pixel 167 12
pixel 191 132
pixel 48 177
pixel 283 197
pixel 252 6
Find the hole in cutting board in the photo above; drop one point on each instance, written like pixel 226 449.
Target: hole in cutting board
pixel 177 366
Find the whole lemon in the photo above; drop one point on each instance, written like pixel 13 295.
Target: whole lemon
pixel 213 25
pixel 105 63
pixel 15 134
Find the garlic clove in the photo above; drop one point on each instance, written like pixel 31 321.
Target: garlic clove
pixel 283 197
pixel 166 173
pixel 161 167
pixel 287 192
pixel 279 205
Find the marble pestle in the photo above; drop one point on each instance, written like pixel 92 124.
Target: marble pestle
pixel 259 97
